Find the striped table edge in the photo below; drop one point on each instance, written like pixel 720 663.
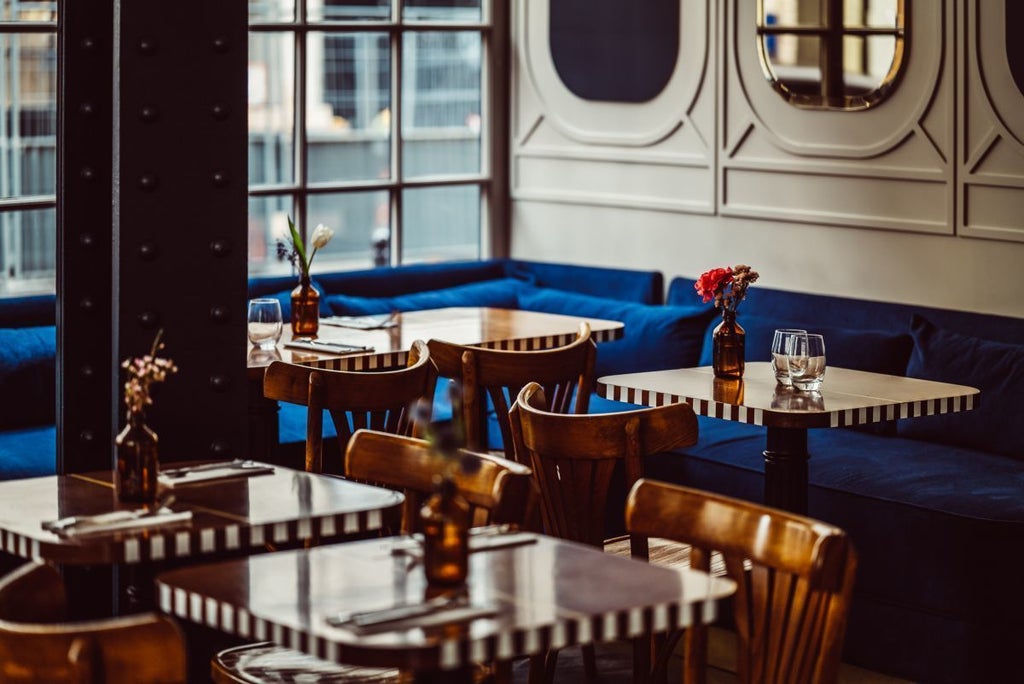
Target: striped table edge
pixel 449 654
pixel 755 416
pixel 185 543
pixel 398 359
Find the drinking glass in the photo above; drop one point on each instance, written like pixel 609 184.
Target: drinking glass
pixel 807 362
pixel 782 348
pixel 264 322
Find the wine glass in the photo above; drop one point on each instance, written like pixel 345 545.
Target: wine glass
pixel 264 322
pixel 807 362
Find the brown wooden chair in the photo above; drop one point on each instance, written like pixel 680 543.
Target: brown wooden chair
pixel 500 491
pixel 566 373
pixel 573 458
pixel 794 577
pixel 37 645
pixel 377 400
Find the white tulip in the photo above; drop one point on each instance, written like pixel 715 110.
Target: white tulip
pixel 321 236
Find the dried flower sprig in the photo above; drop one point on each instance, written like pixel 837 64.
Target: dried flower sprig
pixel 726 286
pixel 447 439
pixel 142 373
pixel 294 250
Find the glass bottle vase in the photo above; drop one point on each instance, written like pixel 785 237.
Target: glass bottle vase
pixel 445 522
pixel 728 342
pixel 137 461
pixel 305 309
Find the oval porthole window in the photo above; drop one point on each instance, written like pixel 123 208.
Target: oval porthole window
pixel 832 54
pixel 1014 45
pixel 614 51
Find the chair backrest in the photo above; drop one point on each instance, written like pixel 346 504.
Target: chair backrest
pixel 573 457
pixel 378 400
pixel 498 490
pixel 38 647
pixel 794 579
pixel 566 373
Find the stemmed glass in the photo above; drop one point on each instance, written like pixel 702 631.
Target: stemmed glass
pixel 264 322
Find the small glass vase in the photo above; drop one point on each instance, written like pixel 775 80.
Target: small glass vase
pixel 305 309
pixel 137 461
pixel 728 342
pixel 445 523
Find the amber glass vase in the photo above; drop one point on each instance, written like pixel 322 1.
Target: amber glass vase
pixel 305 309
pixel 137 461
pixel 445 521
pixel 728 342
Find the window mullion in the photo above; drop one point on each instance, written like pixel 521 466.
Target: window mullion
pixel 832 83
pixel 397 39
pixel 301 154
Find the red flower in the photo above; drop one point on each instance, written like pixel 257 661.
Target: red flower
pixel 712 283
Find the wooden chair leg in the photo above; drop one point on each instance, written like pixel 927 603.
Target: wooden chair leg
pixel 538 669
pixel 643 647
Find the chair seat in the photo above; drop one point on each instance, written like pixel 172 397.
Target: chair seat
pixel 664 552
pixel 266 662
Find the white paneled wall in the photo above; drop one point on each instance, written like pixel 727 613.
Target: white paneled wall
pixel 919 200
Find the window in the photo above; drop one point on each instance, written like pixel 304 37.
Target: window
pixel 28 143
pixel 832 54
pixel 368 116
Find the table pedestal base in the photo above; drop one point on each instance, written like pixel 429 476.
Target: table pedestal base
pixel 785 469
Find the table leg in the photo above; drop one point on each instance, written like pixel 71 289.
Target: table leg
pixel 785 469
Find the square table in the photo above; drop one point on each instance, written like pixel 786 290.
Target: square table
pixel 847 398
pixel 546 593
pixel 229 517
pixel 479 326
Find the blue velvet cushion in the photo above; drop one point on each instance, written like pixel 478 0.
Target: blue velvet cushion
pixel 28 452
pixel 875 351
pixel 499 293
pixel 995 368
pixel 285 297
pixel 656 336
pixel 28 360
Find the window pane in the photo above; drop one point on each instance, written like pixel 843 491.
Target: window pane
pixel 441 103
pixel 28 118
pixel 440 223
pixel 271 108
pixel 348 10
pixel 271 10
pixel 874 14
pixel 268 222
pixel 358 219
pixel 866 61
pixel 28 10
pixel 349 106
pixel 28 251
pixel 441 10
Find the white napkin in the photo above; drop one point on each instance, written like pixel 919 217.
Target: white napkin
pixel 211 472
pixel 114 521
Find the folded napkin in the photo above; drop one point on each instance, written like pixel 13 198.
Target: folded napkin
pixel 328 347
pixel 82 525
pixel 431 613
pixel 361 322
pixel 211 472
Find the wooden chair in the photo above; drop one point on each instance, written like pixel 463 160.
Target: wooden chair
pixel 500 491
pixel 566 373
pixel 573 458
pixel 377 400
pixel 37 645
pixel 794 577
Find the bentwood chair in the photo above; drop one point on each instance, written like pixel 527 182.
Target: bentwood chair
pixel 794 577
pixel 38 645
pixel 377 400
pixel 573 458
pixel 566 373
pixel 499 491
